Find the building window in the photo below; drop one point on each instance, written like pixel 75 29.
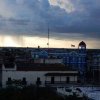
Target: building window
pixel 67 59
pixel 79 60
pixel 73 59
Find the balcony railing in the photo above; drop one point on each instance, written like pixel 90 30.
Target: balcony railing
pixel 60 82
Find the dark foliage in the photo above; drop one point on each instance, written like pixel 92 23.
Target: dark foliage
pixel 29 93
pixel 34 93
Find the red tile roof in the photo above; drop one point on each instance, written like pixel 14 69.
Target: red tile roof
pixel 41 67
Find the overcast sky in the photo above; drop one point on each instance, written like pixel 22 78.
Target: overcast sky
pixel 70 21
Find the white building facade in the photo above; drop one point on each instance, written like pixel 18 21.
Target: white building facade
pixel 37 74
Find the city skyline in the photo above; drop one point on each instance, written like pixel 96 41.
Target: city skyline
pixel 24 23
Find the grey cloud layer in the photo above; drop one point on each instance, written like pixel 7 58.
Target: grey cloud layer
pixel 31 17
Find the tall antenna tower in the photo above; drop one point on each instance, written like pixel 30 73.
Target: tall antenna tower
pixel 48 37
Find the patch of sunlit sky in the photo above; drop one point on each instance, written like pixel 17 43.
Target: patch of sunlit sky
pixel 31 41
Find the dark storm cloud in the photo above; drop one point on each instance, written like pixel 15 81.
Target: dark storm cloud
pixel 84 20
pixel 31 17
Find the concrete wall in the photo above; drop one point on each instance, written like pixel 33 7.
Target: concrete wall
pixel 31 76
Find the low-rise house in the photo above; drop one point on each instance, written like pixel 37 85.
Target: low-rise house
pixel 40 74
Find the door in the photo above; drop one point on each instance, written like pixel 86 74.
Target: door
pixel 52 80
pixel 67 79
pixel 38 82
